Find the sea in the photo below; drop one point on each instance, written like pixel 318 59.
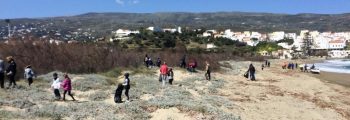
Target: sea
pixel 338 66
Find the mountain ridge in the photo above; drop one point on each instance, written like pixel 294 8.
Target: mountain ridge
pixel 237 21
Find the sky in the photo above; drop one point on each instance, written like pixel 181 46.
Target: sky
pixel 51 8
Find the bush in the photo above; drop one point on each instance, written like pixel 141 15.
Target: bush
pixel 98 57
pixel 99 96
pixel 115 72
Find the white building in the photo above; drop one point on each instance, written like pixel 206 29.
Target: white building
pixel 210 46
pixel 172 30
pixel 124 33
pixel 150 28
pixel 291 36
pixel 285 45
pixel 209 33
pixel 321 42
pixel 298 43
pixel 337 44
pixel 276 36
pixel 339 53
pixel 256 35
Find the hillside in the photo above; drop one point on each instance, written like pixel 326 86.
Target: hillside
pixel 237 21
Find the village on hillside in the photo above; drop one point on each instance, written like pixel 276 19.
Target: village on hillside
pixel 330 44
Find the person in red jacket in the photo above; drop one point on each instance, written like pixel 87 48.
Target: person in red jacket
pixel 163 73
pixel 67 87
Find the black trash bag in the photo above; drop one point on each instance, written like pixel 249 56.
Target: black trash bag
pixel 246 75
pixel 118 94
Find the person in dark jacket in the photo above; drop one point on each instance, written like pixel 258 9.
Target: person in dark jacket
pixel 159 62
pixel 305 68
pixel 11 71
pixel 2 73
pixel 126 85
pixel 146 61
pixel 118 93
pixel 171 76
pixel 251 71
pixel 183 62
pixel 150 62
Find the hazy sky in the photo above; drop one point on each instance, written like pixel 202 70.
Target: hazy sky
pixel 48 8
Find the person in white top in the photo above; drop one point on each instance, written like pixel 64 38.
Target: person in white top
pixel 56 85
pixel 29 74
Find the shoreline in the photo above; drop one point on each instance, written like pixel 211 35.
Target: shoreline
pixel 341 79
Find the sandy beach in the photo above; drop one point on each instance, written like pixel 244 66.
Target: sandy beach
pixel 290 94
pixel 342 79
pixel 278 94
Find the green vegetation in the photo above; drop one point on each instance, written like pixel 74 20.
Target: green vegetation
pixel 286 40
pixel 268 46
pixel 115 72
pixel 95 99
pixel 188 38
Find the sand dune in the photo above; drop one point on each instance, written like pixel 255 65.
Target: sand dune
pixel 276 95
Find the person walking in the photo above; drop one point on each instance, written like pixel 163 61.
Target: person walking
pixel 56 85
pixel 146 61
pixel 29 74
pixel 159 62
pixel 164 72
pixel 251 71
pixel 11 71
pixel 150 62
pixel 170 76
pixel 2 73
pixel 207 71
pixel 126 85
pixel 192 66
pixel 305 68
pixel 67 87
pixel 183 62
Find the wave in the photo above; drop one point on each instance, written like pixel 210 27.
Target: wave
pixel 338 66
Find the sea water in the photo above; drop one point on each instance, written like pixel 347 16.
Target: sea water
pixel 338 66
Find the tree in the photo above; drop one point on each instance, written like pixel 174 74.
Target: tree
pixel 286 40
pixel 307 42
pixel 7 21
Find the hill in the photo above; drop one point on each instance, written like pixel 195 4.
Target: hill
pixel 237 21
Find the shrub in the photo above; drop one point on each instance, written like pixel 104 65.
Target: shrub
pixel 96 57
pixel 99 96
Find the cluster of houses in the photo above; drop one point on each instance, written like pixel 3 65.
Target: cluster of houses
pixel 333 42
pixel 45 31
pixel 123 34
